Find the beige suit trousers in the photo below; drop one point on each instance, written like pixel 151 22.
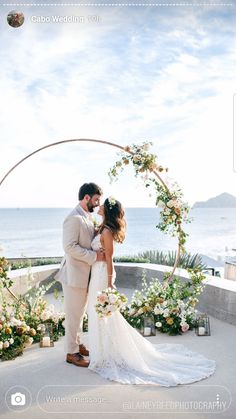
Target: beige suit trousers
pixel 75 302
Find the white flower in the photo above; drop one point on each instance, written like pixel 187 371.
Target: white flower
pixel 112 201
pixel 157 310
pixel 113 299
pixel 166 211
pixel 31 340
pixel 46 315
pixel 146 147
pixel 108 307
pixel 11 341
pixel 174 202
pixel 55 319
pixel 14 321
pixel 6 344
pixel 170 203
pixel 166 312
pixel 158 324
pixel 1 345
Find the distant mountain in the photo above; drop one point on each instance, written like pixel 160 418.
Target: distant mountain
pixel 224 200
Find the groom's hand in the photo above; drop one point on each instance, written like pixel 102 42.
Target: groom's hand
pixel 101 256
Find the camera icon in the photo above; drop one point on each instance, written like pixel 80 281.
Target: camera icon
pixel 18 399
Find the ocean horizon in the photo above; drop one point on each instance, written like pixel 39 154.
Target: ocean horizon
pixel 37 232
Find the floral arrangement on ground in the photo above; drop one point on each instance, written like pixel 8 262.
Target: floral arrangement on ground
pixel 172 304
pixel 21 320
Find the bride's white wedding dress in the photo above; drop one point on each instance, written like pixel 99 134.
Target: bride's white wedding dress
pixel 118 352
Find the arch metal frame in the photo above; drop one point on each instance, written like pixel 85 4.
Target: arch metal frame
pixel 89 140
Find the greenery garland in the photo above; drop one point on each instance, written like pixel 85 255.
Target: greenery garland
pixel 174 210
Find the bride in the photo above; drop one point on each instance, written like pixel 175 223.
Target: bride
pixel 117 351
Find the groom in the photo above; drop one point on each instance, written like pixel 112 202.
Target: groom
pixel 74 273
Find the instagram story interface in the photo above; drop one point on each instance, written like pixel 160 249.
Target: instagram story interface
pixel 117 209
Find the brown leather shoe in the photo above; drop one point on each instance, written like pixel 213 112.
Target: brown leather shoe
pixel 77 360
pixel 83 350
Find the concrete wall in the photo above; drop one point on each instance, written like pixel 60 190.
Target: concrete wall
pixel 218 299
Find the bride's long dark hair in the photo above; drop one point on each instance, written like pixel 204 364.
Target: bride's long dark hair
pixel 114 218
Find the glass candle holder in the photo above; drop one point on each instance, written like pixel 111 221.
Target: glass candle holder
pixel 148 326
pixel 203 325
pixel 46 338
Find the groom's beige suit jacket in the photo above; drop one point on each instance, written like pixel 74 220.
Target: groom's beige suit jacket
pixel 78 233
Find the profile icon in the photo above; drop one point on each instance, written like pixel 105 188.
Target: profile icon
pixel 15 18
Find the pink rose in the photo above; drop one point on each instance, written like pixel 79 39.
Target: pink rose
pixel 185 327
pixel 102 298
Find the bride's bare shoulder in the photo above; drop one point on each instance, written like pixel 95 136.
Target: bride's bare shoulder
pixel 106 232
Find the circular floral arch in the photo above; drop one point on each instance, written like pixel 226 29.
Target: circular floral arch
pixel 169 198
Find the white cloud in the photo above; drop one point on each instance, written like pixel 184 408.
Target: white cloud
pixel 159 75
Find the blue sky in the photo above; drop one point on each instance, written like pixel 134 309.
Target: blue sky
pixel 162 74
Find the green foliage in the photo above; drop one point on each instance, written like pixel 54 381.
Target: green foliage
pixel 12 353
pixel 26 263
pixel 131 259
pixel 5 281
pixel 187 260
pixel 85 323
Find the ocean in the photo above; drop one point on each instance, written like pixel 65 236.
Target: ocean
pixel 37 232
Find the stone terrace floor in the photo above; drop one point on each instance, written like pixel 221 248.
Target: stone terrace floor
pixel 98 398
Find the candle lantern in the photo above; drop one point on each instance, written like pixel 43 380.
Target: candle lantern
pixel 148 326
pixel 46 338
pixel 203 325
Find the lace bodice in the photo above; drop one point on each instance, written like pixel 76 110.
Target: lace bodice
pixel 96 242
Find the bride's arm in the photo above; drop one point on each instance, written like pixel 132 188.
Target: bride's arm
pixel 108 246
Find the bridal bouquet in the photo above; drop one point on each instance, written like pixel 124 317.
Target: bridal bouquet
pixel 108 301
